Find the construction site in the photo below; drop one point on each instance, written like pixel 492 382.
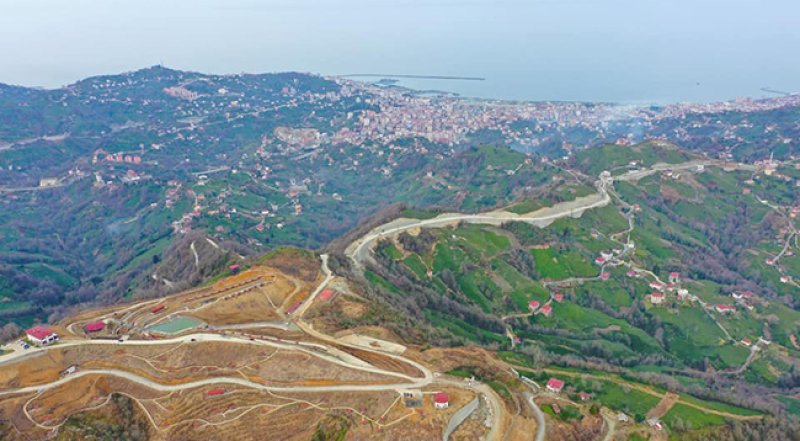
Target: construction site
pixel 236 359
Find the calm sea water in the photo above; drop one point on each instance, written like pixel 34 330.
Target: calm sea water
pixel 593 50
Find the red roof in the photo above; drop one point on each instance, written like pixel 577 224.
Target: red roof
pixel 604 276
pixel 533 304
pixel 558 297
pixel 326 294
pixel 674 274
pixel 94 326
pixel 213 392
pixel 657 295
pixel 156 309
pixel 722 307
pixel 234 267
pixel 441 398
pixel 600 260
pixel 555 384
pixel 39 332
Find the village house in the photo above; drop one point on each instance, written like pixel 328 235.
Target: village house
pixel 657 285
pixel 683 293
pixel 674 277
pixel 724 309
pixel 584 396
pixel 558 297
pixel 547 310
pixel 41 335
pixel 441 400
pixel 555 385
pixel 657 298
pixel 533 305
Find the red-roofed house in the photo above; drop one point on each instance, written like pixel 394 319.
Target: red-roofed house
pixel 157 309
pixel 41 335
pixel 584 396
pixel 674 277
pixel 558 297
pixel 555 385
pixel 326 294
pixel 94 327
pixel 441 400
pixel 656 298
pixel 533 305
pixel 234 269
pixel 547 310
pixel 604 276
pixel 631 273
pixel 724 309
pixel 657 285
pixel 600 260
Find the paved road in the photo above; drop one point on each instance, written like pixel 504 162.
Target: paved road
pixel 459 418
pixel 540 422
pixel 206 382
pixel 357 251
pixel 310 300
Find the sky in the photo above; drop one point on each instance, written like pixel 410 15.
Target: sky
pixel 600 50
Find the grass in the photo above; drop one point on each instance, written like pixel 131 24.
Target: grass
pixel 525 207
pixel 415 213
pixel 548 265
pixel 415 264
pixel 792 405
pixel 691 417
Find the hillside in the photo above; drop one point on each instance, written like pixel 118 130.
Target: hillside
pixel 715 241
pixel 106 183
pixel 579 301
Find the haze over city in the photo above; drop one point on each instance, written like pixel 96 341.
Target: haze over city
pixel 612 50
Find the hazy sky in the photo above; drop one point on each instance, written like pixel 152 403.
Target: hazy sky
pixel 625 50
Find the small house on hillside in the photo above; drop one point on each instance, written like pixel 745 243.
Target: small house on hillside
pixel 441 400
pixel 41 335
pixel 555 385
pixel 657 298
pixel 724 309
pixel 533 305
pixel 547 310
pixel 558 297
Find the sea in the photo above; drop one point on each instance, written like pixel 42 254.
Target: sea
pixel 623 51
